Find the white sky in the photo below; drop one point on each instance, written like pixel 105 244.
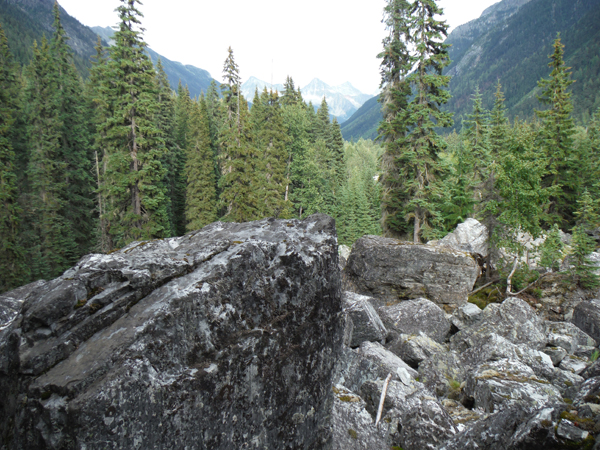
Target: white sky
pixel 334 40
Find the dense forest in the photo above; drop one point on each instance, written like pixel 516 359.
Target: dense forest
pixel 91 166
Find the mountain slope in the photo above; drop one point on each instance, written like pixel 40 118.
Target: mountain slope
pixel 252 84
pixel 27 20
pixel 364 122
pixel 342 100
pixel 511 42
pixel 197 80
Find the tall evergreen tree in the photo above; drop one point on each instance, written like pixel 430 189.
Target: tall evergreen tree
pixel 414 143
pixel 136 202
pixel 201 194
pixel 12 267
pixel 75 147
pixel 557 136
pixel 584 271
pixel 50 239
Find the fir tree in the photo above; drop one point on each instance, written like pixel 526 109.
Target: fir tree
pixel 49 236
pixel 12 267
pixel 201 194
pixel 136 204
pixel 75 147
pixel 551 251
pixel 584 271
pixel 411 136
pixel 557 135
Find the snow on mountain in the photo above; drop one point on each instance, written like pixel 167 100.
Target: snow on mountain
pixel 253 83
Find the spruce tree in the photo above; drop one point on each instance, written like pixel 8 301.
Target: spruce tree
pixel 557 136
pixel 584 271
pixel 201 194
pixel 75 146
pixel 133 185
pixel 410 125
pixel 49 234
pixel 13 271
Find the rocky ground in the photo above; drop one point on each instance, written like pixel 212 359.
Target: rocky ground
pixel 258 336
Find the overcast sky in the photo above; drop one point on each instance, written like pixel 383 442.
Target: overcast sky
pixel 334 40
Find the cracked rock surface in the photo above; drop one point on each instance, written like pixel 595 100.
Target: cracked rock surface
pixel 224 338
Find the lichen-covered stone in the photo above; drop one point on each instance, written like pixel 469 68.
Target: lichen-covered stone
pixel 567 336
pixel 367 325
pixel 465 316
pixel 556 354
pixel 443 374
pixel 419 316
pixel 573 364
pixel 592 371
pixel 589 392
pixel 567 382
pixel 471 236
pixel 393 270
pixel 513 319
pixel 353 427
pixel 224 338
pixel 500 384
pixel 413 348
pixel 386 359
pixel 586 316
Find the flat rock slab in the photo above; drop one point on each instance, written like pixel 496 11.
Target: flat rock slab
pixel 471 236
pixel 393 270
pixel 220 339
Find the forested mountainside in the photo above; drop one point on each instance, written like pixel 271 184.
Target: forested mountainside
pixel 510 43
pixel 26 21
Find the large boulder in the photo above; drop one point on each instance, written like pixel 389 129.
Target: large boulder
pixel 393 270
pixel 513 319
pixel 471 236
pixel 587 317
pixel 223 338
pixel 419 316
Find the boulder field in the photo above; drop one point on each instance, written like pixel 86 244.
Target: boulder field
pixel 258 336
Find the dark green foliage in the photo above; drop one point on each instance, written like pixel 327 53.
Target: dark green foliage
pixel 413 91
pixel 201 194
pixel 12 263
pixel 552 248
pixel 587 218
pixel 133 188
pixel 556 136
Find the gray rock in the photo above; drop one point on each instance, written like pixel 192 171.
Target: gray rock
pixel 585 351
pixel 11 302
pixel 419 316
pixel 556 354
pixel 443 374
pixel 567 336
pixel 343 254
pixel 466 315
pixel 352 369
pixel 484 348
pixel 353 427
pixel 513 428
pixel 567 429
pixel 567 382
pixel 586 316
pixel 367 325
pixel 214 340
pixel 348 327
pixel 513 319
pixel 470 236
pixel 413 349
pixel 417 420
pixel 589 392
pixel 385 358
pixel 573 364
pixel 592 371
pixel 497 385
pixel 460 415
pixel 392 270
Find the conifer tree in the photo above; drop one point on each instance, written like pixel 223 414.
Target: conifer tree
pixel 75 146
pixel 133 185
pixel 414 143
pixel 12 267
pixel 50 240
pixel 239 202
pixel 201 194
pixel 557 136
pixel 214 109
pixel 584 271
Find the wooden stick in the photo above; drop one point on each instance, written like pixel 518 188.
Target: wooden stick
pixel 484 286
pixel 382 400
